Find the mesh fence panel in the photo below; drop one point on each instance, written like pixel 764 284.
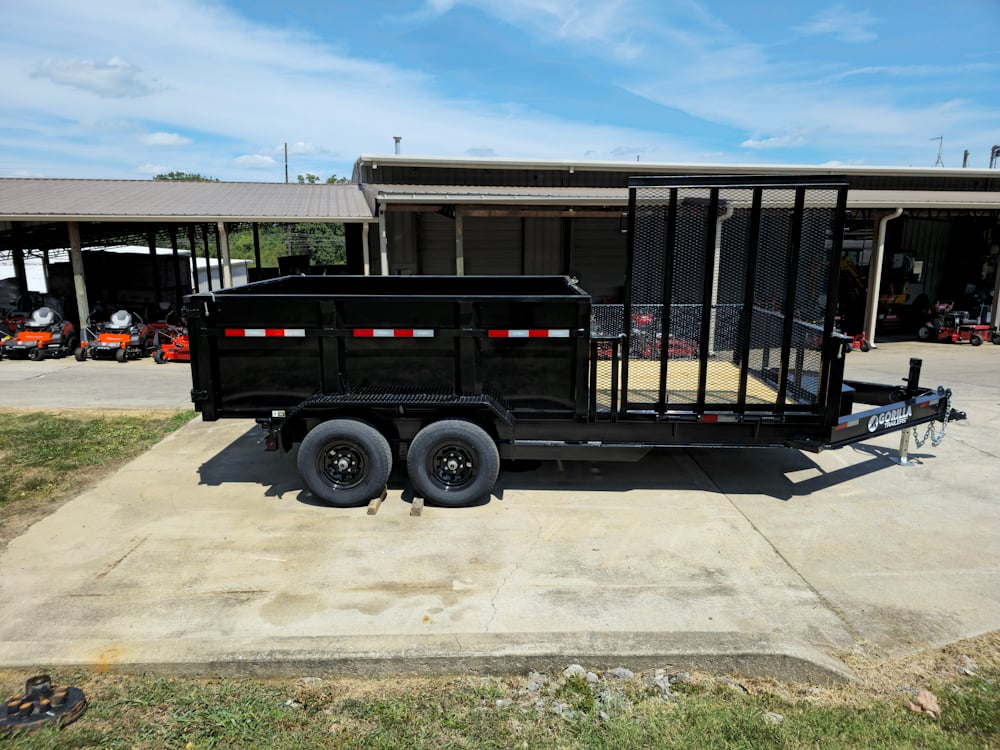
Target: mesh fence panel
pixel 745 272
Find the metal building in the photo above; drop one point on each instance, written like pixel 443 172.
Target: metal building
pixel 914 235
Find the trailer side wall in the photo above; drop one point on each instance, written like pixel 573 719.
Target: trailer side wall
pixel 270 345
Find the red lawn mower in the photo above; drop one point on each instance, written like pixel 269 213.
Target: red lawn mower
pixel 955 326
pixel 45 333
pixel 123 337
pixel 171 344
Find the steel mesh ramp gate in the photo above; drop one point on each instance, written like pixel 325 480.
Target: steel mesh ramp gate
pixel 730 294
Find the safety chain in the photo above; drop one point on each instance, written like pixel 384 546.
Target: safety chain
pixel 935 439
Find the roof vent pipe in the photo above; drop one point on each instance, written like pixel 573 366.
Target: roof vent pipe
pixel 397 139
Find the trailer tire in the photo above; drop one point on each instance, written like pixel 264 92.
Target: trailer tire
pixel 80 353
pixel 453 463
pixel 976 340
pixel 121 355
pixel 926 333
pixel 344 462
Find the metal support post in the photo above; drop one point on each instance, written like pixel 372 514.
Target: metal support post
pixel 459 243
pixel 79 280
pixel 225 262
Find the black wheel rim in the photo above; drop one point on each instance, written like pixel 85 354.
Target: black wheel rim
pixel 343 465
pixel 453 466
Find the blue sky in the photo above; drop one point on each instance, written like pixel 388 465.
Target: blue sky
pixel 125 89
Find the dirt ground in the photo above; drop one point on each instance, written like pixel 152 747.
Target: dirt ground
pixel 894 678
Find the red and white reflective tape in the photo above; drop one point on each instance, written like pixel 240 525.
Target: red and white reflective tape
pixel 268 333
pixel 394 333
pixel 528 333
pixel 714 418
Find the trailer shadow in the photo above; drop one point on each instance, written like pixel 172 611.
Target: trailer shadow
pixel 780 473
pixel 243 461
pixel 785 474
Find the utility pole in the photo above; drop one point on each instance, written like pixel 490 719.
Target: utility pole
pixel 940 140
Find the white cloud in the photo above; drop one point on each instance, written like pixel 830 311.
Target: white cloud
pixel 152 169
pixel 605 22
pixel 842 23
pixel 254 161
pixel 301 148
pixel 628 152
pixel 164 139
pixel 877 72
pixel 244 87
pixel 115 78
pixel 777 141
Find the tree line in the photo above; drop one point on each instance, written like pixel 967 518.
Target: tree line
pixel 323 242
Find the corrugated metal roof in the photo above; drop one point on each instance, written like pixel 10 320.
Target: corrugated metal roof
pixel 23 199
pixel 649 167
pixel 576 196
pixel 954 199
pixel 161 200
pixel 583 196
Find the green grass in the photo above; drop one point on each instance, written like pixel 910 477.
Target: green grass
pixel 138 712
pixel 44 455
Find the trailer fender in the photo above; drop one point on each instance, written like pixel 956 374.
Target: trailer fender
pixel 401 416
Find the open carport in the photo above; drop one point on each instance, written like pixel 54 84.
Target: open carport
pixel 45 216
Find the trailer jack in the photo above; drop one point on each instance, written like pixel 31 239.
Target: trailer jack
pixel 936 438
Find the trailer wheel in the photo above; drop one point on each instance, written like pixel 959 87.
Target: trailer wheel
pixel 121 355
pixel 976 340
pixel 35 355
pixel 158 357
pixel 344 462
pixel 926 333
pixel 996 338
pixel 453 463
pixel 80 353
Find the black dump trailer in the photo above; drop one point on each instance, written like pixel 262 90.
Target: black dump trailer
pixel 725 337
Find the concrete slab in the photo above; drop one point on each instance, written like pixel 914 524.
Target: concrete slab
pixel 94 384
pixel 205 555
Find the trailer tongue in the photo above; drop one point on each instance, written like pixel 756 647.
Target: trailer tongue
pixel 725 337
